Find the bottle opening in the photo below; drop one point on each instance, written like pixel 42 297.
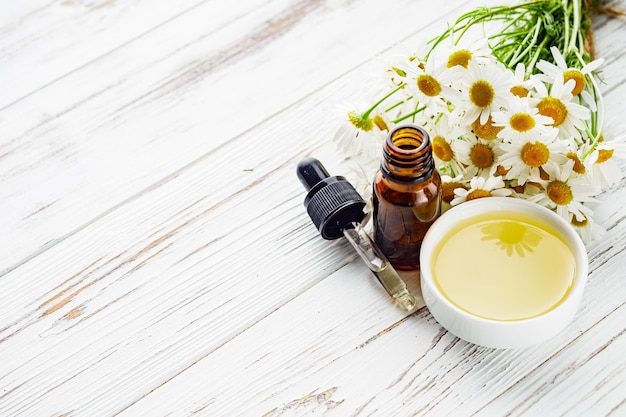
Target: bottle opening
pixel 407 154
pixel 407 140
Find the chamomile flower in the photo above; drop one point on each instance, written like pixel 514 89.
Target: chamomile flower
pixel 602 163
pixel 523 158
pixel 551 70
pixel 521 85
pixel 588 229
pixel 463 53
pixel 484 89
pixel 443 138
pixel 576 155
pixel 391 64
pixel 449 184
pixel 522 122
pixel 429 83
pixel 361 114
pixel 566 193
pixel 362 150
pixel 478 156
pixel 487 130
pixel 558 105
pixel 481 187
pixel 362 139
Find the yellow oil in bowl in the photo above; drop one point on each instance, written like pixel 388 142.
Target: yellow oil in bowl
pixel 503 266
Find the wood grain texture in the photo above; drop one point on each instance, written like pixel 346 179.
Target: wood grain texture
pixel 110 130
pixel 42 41
pixel 156 258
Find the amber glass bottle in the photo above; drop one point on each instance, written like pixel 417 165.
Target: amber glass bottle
pixel 407 195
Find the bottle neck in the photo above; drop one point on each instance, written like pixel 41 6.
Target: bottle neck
pixel 407 155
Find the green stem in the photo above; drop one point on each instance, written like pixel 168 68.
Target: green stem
pixel 597 120
pixel 366 113
pixel 535 58
pixel 566 30
pixel 533 42
pixel 576 28
pixel 406 116
pixel 399 103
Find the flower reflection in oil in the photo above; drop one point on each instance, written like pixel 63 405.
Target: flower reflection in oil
pixel 512 237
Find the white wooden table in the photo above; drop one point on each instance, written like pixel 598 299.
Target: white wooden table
pixel 155 255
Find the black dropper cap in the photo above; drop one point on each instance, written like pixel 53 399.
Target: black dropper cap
pixel 332 202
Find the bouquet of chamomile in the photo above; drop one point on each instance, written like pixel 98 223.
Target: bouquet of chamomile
pixel 517 113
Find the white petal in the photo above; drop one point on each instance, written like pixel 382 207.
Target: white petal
pixel 568 168
pixel 592 66
pixel 501 192
pixel 547 67
pixel 558 58
pixel 591 103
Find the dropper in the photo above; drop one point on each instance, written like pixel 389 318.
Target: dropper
pixel 336 209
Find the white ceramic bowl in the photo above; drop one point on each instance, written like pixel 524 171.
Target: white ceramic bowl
pixel 498 333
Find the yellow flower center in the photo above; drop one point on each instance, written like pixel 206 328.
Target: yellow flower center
pixel 478 193
pixel 361 121
pixel 519 91
pixel 502 170
pixel 579 167
pixel 482 156
pixel 559 192
pixel 380 122
pixel 535 154
pixel 487 131
pixel 428 85
pixel 522 122
pixel 578 77
pixel 447 190
pixel 481 93
pixel 579 223
pixel 461 58
pixel 554 108
pixel 604 155
pixel 442 149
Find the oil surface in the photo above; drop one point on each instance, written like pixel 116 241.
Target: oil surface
pixel 504 266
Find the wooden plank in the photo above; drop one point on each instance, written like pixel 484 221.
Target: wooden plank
pixel 38 180
pixel 43 41
pixel 138 303
pixel 587 378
